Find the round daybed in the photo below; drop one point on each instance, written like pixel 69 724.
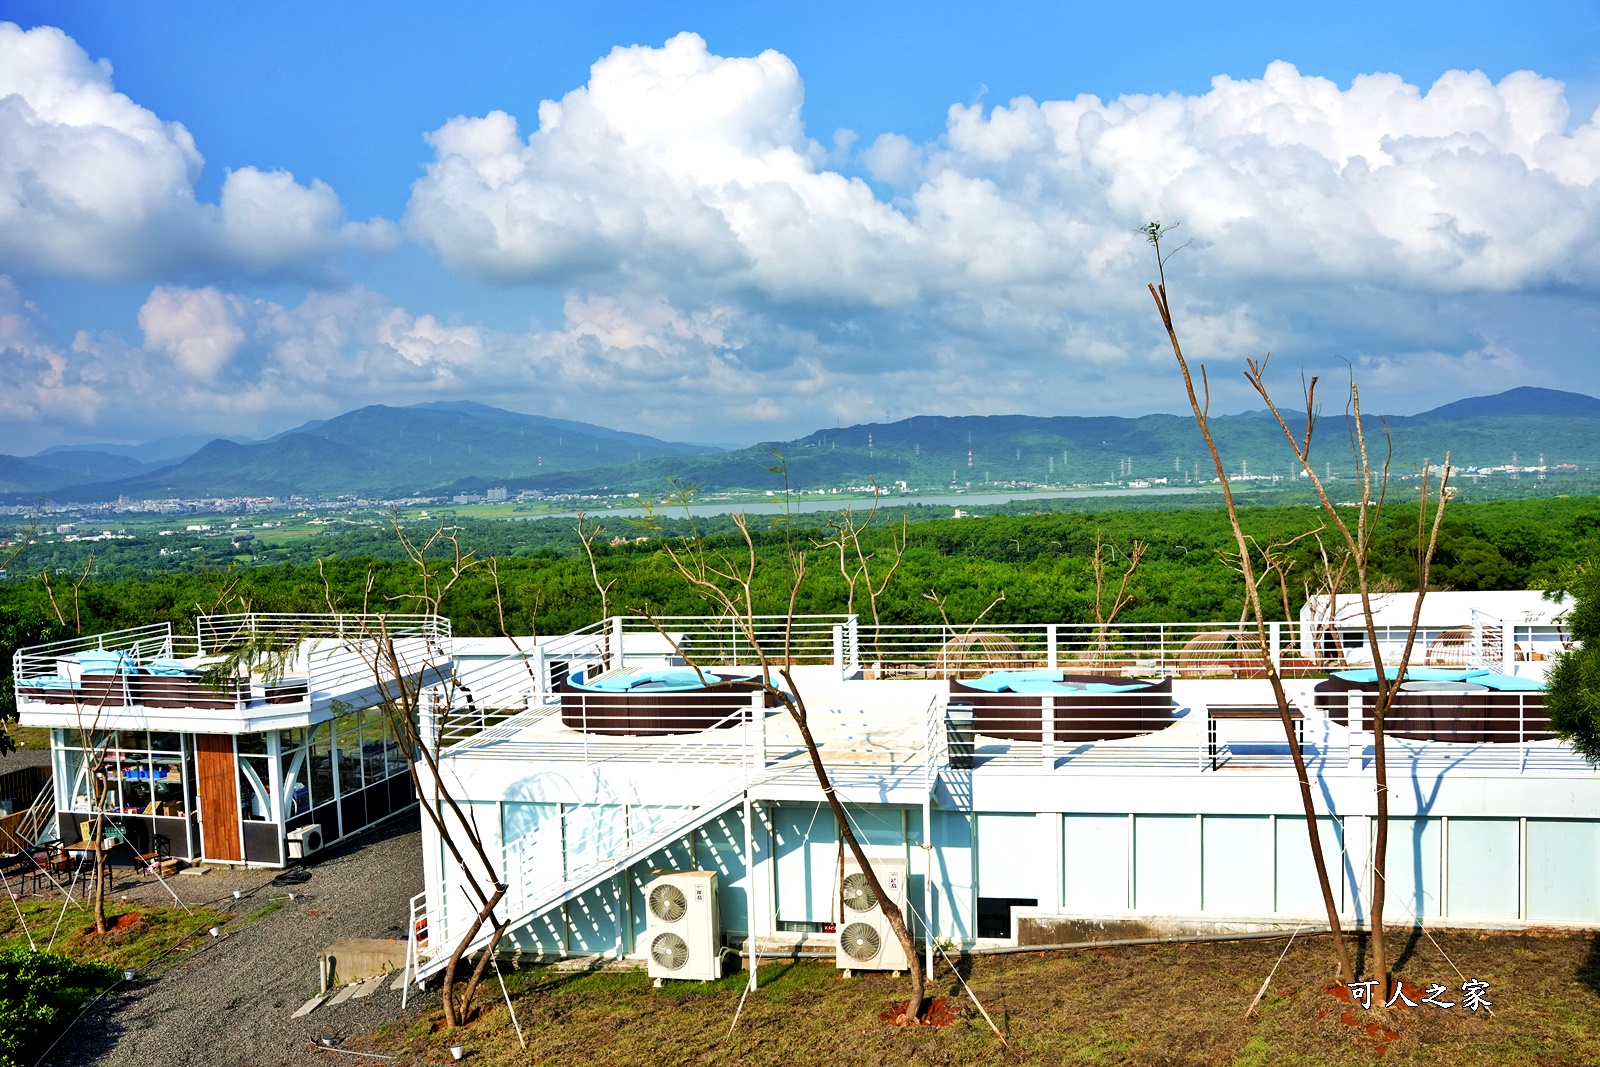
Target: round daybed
pixel 1088 707
pixel 1464 706
pixel 656 702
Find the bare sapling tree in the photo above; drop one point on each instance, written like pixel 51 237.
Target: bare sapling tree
pixel 1358 548
pixel 728 580
pixel 96 745
pixel 1373 482
pixel 1106 617
pixel 419 701
pixel 856 563
pixel 609 657
pixel 1200 407
pixel 77 594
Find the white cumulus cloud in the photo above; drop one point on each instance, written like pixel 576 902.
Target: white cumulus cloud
pixel 675 162
pixel 195 327
pixel 94 185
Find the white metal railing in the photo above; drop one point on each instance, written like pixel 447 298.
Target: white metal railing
pixel 935 742
pixel 326 657
pixel 707 639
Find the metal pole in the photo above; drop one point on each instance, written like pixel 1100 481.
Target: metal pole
pixel 750 890
pixel 927 871
pixel 1355 709
pixel 1047 733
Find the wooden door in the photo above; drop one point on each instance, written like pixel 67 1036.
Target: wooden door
pixel 218 782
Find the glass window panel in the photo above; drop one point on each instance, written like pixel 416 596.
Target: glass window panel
pixel 319 760
pixel 373 758
pixel 296 787
pixel 347 740
pixel 167 790
pixel 395 754
pixel 131 740
pixel 255 788
pixel 289 740
pixel 251 744
pixel 165 742
pixel 131 771
pixel 74 770
pixel 135 797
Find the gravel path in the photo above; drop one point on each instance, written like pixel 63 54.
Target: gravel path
pixel 230 1002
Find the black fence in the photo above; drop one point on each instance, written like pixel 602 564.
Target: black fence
pixel 22 785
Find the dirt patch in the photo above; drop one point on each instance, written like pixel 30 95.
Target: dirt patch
pixel 941 1011
pixel 126 921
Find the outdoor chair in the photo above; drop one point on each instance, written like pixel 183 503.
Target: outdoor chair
pixel 149 863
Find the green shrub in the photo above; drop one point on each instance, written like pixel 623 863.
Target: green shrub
pixel 40 992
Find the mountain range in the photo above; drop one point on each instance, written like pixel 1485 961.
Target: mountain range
pixel 442 448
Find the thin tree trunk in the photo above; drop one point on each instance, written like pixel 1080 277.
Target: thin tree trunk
pixel 455 1011
pixel 1307 803
pixel 99 842
pixel 891 910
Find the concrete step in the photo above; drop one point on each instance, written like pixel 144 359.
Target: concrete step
pixel 309 1006
pixel 344 994
pixel 369 987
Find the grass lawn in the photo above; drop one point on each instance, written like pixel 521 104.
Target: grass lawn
pixel 28 737
pixel 1165 1005
pixel 143 936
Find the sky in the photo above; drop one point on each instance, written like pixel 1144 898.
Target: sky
pixel 729 223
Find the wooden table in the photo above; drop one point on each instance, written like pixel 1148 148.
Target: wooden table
pixel 1249 713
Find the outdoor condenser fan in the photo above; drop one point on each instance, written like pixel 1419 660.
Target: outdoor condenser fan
pixel 668 903
pixel 671 951
pixel 861 942
pixel 858 895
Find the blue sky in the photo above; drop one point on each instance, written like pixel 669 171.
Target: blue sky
pixel 825 213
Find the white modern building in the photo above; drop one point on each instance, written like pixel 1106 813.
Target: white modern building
pixel 285 754
pixel 1041 784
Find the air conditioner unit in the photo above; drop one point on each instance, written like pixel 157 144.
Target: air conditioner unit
pixel 304 841
pixel 682 937
pixel 866 942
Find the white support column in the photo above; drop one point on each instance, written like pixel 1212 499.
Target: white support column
pixel 928 931
pixel 616 642
pixel 1508 647
pixel 1052 830
pixel 1356 709
pixel 1047 733
pixel 1051 655
pixel 1275 637
pixel 758 731
pixel 750 888
pixel 838 648
pixel 541 676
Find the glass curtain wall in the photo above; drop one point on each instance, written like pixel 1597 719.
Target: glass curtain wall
pixel 341 774
pixel 143 779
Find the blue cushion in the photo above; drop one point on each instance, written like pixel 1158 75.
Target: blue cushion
pixel 168 668
pixel 1491 679
pixel 49 681
pixel 100 661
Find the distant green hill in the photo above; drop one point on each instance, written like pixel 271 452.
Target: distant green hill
pixel 54 470
pixel 385 451
pixel 460 447
pixel 930 452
